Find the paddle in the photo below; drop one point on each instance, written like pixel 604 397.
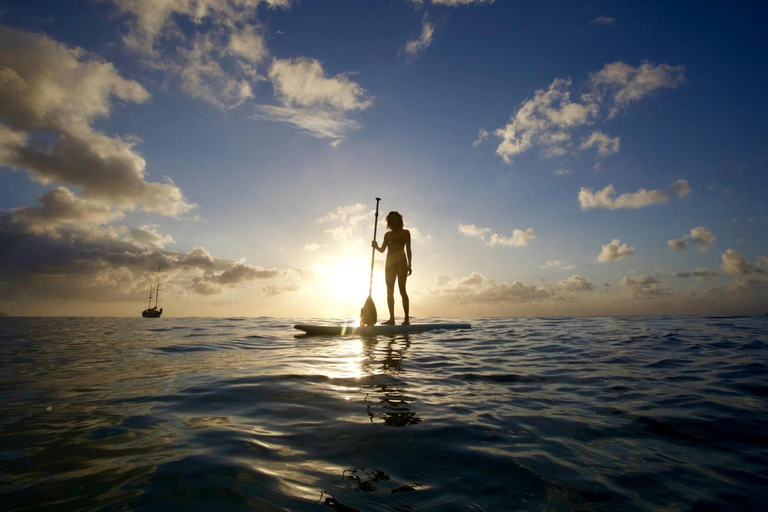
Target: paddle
pixel 368 311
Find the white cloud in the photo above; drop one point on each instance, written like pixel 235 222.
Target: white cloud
pixel 481 136
pixel 340 233
pixel 604 199
pixel 645 287
pixel 556 264
pixel 302 83
pixel 605 144
pixel 544 120
pixel 474 231
pixel 246 42
pixel 349 217
pixel 733 263
pixel 320 123
pixel 604 20
pixel 351 214
pixel 615 251
pixel 699 236
pixel 624 84
pixel 412 48
pixel 676 244
pixel 475 279
pixel 703 238
pixel 153 20
pixel 680 188
pixel 550 118
pixel 211 47
pixel 49 88
pixel 575 283
pixel 203 77
pixel 562 172
pixel 317 104
pixel 312 246
pixel 518 238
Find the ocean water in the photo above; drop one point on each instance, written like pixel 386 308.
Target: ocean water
pixel 662 413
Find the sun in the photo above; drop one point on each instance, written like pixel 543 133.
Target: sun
pixel 345 279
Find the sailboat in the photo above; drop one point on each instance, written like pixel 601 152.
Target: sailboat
pixel 153 312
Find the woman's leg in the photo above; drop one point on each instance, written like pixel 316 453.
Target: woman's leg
pixel 402 277
pixel 390 277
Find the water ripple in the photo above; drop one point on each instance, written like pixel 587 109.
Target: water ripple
pixel 528 414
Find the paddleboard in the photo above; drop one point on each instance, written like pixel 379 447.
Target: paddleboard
pixel 367 330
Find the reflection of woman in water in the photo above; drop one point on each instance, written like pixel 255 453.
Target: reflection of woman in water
pixel 399 259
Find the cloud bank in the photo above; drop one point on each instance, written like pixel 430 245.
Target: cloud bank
pixel 575 283
pixel 65 247
pixel 51 92
pixel 477 288
pixel 109 264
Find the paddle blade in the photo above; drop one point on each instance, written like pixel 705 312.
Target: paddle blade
pixel 368 313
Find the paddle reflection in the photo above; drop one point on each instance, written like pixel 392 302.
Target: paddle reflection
pixel 383 358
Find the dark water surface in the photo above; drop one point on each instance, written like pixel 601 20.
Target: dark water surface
pixel 516 414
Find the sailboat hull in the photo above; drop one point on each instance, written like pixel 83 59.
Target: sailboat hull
pixel 153 312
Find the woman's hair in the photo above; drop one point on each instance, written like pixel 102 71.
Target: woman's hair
pixel 394 221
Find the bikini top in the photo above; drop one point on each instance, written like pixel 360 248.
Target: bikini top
pixel 398 240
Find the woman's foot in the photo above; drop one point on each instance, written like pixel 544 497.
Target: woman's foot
pixel 391 321
pixel 406 322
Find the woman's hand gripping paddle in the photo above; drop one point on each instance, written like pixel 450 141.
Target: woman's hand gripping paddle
pixel 368 311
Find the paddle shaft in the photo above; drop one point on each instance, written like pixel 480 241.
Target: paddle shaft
pixel 373 249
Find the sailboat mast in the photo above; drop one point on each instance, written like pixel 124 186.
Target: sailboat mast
pixel 157 288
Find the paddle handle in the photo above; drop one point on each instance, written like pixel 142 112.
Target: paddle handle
pixel 373 249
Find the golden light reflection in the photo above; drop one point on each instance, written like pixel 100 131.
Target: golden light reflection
pixel 354 359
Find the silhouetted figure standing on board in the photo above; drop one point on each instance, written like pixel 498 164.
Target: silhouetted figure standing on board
pixel 399 259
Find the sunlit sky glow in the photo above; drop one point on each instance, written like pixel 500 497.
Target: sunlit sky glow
pixel 549 158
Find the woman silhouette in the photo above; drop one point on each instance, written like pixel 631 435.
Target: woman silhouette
pixel 399 259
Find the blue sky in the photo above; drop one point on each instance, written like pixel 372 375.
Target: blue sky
pixel 550 158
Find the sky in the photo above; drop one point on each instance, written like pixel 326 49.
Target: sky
pixel 549 158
